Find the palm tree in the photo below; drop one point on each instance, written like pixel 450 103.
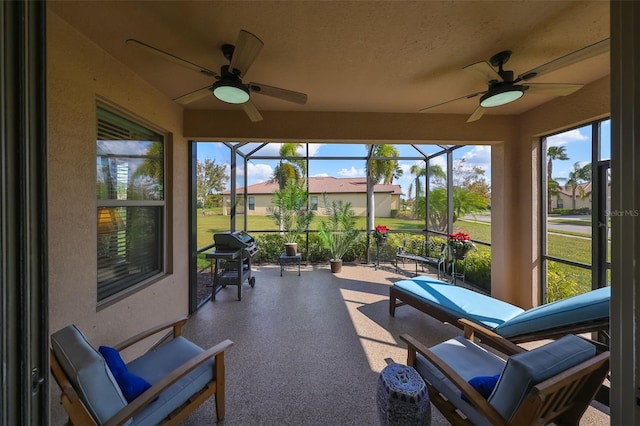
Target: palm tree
pixel 435 171
pixel 289 169
pixel 383 170
pixel 418 172
pixel 553 153
pixel 577 177
pixel 397 174
pixel 553 189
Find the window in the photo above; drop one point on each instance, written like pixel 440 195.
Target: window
pixel 130 204
pixel 313 202
pixel 575 170
pixel 252 203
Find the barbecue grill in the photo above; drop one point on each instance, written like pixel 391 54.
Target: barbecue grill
pixel 231 260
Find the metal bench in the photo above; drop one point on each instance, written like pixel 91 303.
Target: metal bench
pixel 426 252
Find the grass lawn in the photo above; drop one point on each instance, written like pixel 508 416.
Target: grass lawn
pixel 578 222
pixel 564 246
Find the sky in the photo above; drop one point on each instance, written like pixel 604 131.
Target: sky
pixel 261 170
pixel 577 143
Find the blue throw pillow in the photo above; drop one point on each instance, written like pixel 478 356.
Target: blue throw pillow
pixel 483 384
pixel 130 384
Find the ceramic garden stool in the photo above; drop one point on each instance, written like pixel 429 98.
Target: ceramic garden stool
pixel 402 397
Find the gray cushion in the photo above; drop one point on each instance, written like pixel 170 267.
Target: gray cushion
pixel 88 373
pixel 527 369
pixel 159 362
pixel 468 360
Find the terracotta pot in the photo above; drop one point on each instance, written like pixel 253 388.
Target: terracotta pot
pixel 291 249
pixel 336 265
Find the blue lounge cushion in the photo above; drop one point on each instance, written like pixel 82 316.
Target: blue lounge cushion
pixel 460 302
pixel 483 384
pixel 503 318
pixel 88 372
pixel 527 369
pixel 590 306
pixel 131 385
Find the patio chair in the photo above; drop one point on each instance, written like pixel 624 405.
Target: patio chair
pixel 171 379
pixel 588 312
pixel 552 383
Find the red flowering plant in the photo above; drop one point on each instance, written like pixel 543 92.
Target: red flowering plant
pixel 460 243
pixel 380 233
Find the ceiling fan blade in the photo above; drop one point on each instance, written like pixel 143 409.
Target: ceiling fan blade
pixel 173 58
pixel 484 70
pixel 251 111
pixel 595 49
pixel 276 92
pixel 559 89
pixel 246 49
pixel 473 95
pixel 194 96
pixel 476 114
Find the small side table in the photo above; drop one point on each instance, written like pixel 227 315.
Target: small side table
pixel 402 397
pixel 284 259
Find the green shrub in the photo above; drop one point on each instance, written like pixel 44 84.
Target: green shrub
pixel 561 282
pixel 477 267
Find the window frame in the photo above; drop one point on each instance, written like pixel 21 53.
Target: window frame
pixel 597 266
pixel 128 285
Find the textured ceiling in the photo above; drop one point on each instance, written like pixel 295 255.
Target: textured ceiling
pixel 366 56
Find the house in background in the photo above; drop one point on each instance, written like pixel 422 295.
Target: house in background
pixel 353 190
pixel 564 198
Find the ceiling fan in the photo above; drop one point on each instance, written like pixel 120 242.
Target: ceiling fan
pixel 229 86
pixel 504 89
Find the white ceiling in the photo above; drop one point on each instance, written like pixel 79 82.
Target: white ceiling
pixel 365 56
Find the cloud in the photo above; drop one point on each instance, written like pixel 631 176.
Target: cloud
pixel 258 172
pixel 321 175
pixel 352 172
pixel 566 138
pixel 479 156
pixel 440 160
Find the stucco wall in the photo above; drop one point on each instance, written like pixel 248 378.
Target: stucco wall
pixel 384 203
pixel 77 74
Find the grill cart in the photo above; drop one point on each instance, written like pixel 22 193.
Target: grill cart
pixel 231 260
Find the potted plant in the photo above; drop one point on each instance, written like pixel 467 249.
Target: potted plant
pixel 290 212
pixel 338 232
pixel 380 234
pixel 460 244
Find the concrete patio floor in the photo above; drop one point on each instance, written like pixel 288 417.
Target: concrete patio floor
pixel 309 348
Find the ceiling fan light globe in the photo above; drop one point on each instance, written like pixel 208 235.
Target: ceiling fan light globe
pixel 501 96
pixel 230 91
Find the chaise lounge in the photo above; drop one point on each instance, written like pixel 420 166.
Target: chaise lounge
pixel 588 312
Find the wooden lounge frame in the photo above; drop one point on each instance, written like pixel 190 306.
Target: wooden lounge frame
pixel 562 399
pixel 80 415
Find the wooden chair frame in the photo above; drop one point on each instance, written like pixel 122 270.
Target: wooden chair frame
pixel 79 414
pixel 562 399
